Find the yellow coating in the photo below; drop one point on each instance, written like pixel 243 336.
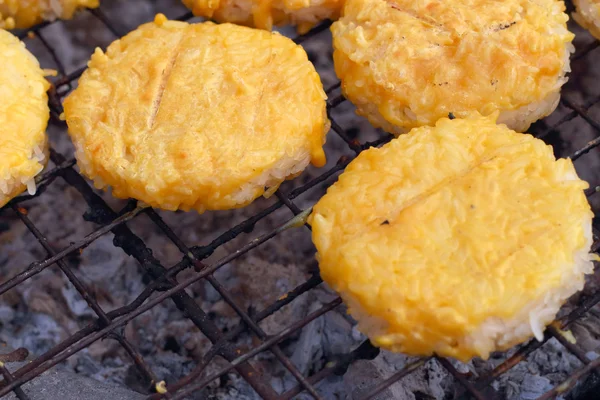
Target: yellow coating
pixel 183 116
pixel 264 14
pixel 26 13
pixel 445 227
pixel 588 15
pixel 24 113
pixel 418 60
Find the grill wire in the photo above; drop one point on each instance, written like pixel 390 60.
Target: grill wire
pixel 165 286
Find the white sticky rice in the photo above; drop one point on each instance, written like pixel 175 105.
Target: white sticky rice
pixel 11 185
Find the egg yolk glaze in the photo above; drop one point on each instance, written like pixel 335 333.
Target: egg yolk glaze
pixel 265 14
pixel 407 63
pixel 588 15
pixel 458 239
pixel 200 116
pixel 24 115
pixel 26 13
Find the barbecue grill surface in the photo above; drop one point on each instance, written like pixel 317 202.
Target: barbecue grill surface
pixel 573 130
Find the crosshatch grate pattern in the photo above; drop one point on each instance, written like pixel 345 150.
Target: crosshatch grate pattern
pixel 164 284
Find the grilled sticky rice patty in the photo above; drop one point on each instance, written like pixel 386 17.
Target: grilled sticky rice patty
pixel 24 115
pixel 26 13
pixel 470 243
pixel 407 63
pixel 266 14
pixel 588 15
pixel 200 116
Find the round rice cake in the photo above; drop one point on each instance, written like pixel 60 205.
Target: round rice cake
pixel 470 244
pixel 24 115
pixel 200 116
pixel 265 14
pixel 587 15
pixel 27 13
pixel 407 63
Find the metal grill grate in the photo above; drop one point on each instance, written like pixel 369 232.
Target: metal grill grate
pixel 164 284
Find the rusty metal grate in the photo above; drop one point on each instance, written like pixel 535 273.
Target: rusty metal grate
pixel 164 284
